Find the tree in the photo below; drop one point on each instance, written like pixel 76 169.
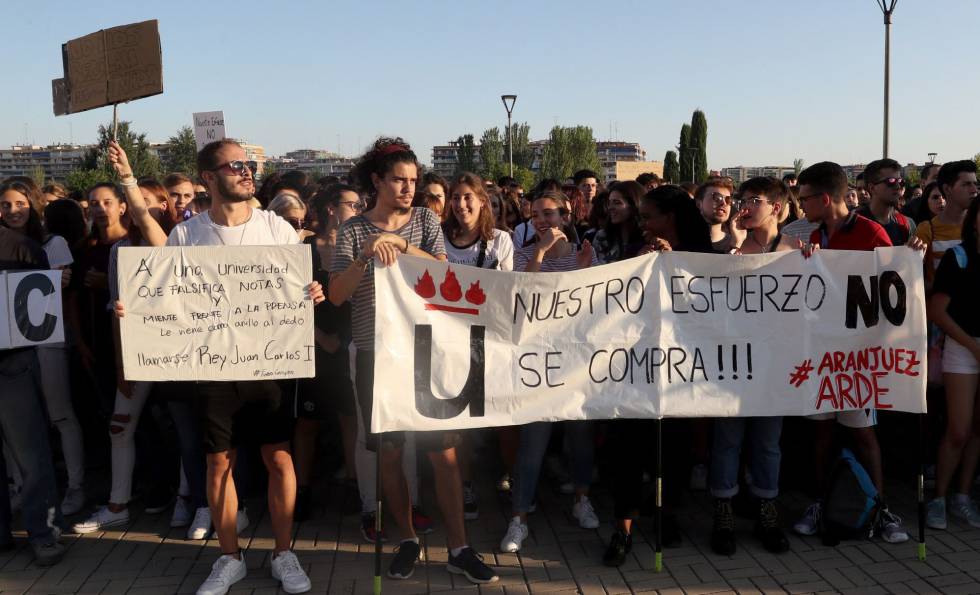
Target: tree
pixel 569 150
pixel 524 177
pixel 523 153
pixel 493 160
pixel 83 179
pixel 672 169
pixel 145 164
pixel 699 140
pixel 269 168
pixel 683 148
pixel 465 154
pixel 797 165
pixel 38 174
pixel 182 156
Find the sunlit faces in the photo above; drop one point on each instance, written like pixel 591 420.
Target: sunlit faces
pixel 813 202
pixel 588 186
pixel 397 188
pixel 618 209
pixel 15 209
pixel 887 187
pixel 437 191
pixel 295 217
pixel 154 205
pixel 105 208
pixel 851 198
pixel 653 223
pixel 466 205
pixel 182 194
pixel 228 185
pixel 963 191
pixel 545 214
pixel 716 206
pixel 937 202
pixel 757 210
pixel 348 206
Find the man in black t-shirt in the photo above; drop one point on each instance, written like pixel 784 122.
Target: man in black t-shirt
pixel 24 428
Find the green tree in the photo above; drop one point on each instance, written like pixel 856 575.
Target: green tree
pixel 83 179
pixel 269 168
pixel 672 169
pixel 569 149
pixel 797 165
pixel 38 174
pixel 145 164
pixel 182 156
pixel 684 152
pixel 524 176
pixel 523 153
pixel 493 160
pixel 465 154
pixel 699 140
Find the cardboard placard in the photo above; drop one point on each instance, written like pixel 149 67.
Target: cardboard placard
pixel 109 66
pixel 208 127
pixel 30 309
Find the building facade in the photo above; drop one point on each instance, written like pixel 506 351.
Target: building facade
pixel 56 161
pixel 315 162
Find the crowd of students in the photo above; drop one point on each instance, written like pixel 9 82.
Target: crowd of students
pixel 387 208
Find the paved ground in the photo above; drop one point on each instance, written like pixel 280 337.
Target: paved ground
pixel 149 557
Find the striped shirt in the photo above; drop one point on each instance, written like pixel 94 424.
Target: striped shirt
pixel 569 262
pixel 422 231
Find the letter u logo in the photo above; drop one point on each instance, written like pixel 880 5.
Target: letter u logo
pixel 471 396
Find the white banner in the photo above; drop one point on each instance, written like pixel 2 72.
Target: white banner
pixel 673 335
pixel 30 303
pixel 216 313
pixel 208 127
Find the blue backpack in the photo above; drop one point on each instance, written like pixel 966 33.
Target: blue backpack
pixel 960 253
pixel 851 505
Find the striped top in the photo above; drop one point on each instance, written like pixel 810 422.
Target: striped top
pixel 569 262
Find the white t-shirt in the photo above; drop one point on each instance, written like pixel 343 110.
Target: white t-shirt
pixel 499 253
pixel 56 249
pixel 264 228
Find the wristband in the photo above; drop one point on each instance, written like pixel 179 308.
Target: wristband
pixel 405 251
pixel 132 183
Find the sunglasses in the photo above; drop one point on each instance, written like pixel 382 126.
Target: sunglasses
pixel 720 199
pixel 893 182
pixel 352 205
pixel 236 167
pixel 296 222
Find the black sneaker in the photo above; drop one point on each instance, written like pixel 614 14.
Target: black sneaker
pixel 403 565
pixel 723 531
pixel 767 528
pixel 302 510
pixel 619 545
pixel 471 508
pixel 369 528
pixel 470 564
pixel 48 554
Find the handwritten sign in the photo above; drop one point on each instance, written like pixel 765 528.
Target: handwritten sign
pixel 216 313
pixel 30 303
pixel 208 127
pixel 109 66
pixel 664 335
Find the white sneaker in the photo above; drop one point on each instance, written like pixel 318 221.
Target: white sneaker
pixel 286 570
pixel 201 525
pixel 890 527
pixel 182 513
pixel 102 519
pixel 73 501
pixel 699 477
pixel 585 514
pixel 516 534
pixel 964 509
pixel 226 572
pixel 241 522
pixel 809 523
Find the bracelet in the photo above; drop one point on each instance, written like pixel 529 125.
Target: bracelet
pixel 405 251
pixel 130 184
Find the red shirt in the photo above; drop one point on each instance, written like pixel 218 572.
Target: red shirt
pixel 856 233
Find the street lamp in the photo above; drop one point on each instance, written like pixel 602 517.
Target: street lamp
pixel 932 157
pixel 694 162
pixel 887 8
pixel 509 101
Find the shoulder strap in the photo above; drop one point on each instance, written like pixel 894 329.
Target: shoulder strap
pixel 903 221
pixel 482 257
pixel 960 254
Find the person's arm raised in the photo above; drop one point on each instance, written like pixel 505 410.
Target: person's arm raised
pixel 138 211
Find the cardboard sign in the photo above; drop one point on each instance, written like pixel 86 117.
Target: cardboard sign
pixel 208 127
pixel 216 313
pixel 109 66
pixel 663 335
pixel 30 309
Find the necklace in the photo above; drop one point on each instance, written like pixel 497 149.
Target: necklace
pixel 765 249
pixel 241 238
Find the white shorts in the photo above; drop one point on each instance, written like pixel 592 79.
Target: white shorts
pixel 856 418
pixel 958 359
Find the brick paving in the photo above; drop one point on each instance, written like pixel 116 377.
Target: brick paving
pixel 149 557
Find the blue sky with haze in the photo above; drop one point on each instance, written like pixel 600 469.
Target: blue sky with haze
pixel 778 79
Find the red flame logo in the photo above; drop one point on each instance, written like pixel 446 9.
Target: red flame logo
pixel 425 286
pixel 450 289
pixel 475 295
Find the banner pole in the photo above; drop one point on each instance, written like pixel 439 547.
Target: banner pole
pixel 659 553
pixel 921 489
pixel 377 516
pixel 115 121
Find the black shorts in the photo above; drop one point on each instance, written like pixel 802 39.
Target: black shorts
pixel 364 380
pixel 330 392
pixel 233 413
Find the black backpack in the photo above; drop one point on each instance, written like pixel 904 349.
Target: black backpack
pixel 851 505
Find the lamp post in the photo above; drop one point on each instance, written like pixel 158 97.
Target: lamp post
pixel 932 157
pixel 509 101
pixel 887 8
pixel 694 162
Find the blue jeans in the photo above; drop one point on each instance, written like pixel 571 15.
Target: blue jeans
pixel 534 443
pixel 24 429
pixel 763 460
pixel 192 456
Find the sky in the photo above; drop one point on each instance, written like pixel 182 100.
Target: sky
pixel 777 79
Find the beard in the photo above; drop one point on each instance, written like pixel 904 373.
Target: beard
pixel 232 192
pixel 402 210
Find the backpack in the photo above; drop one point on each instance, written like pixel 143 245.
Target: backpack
pixel 851 505
pixel 960 253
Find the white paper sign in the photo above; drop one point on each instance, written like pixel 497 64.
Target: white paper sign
pixel 31 305
pixel 216 313
pixel 208 127
pixel 663 335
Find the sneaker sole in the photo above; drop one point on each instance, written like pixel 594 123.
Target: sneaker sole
pixel 205 537
pixel 456 570
pixel 293 590
pixel 471 516
pixel 937 526
pixel 87 530
pixel 399 577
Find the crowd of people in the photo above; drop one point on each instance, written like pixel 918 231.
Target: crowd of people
pixel 388 207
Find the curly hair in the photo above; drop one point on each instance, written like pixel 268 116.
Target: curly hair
pixel 379 160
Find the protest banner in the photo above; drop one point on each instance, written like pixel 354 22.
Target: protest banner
pixel 108 67
pixel 208 127
pixel 30 302
pixel 216 313
pixel 663 335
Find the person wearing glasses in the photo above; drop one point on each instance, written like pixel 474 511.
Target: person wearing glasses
pixel 289 206
pixel 714 199
pixel 883 179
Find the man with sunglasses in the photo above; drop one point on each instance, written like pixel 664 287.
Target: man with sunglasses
pixel 883 179
pixel 714 199
pixel 232 412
